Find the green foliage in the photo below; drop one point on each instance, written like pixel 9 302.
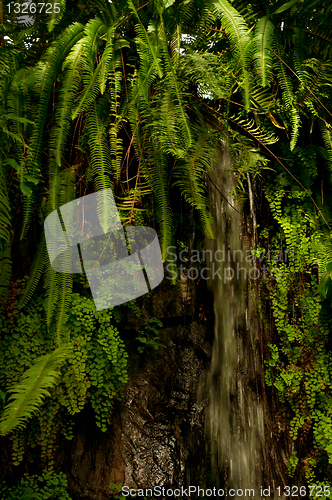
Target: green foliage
pixel 238 32
pixel 148 336
pixel 262 56
pixel 94 370
pixel 293 461
pixel 44 487
pixel 29 393
pixel 300 363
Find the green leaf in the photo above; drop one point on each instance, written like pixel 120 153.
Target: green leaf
pixel 285 6
pixel 168 3
pixel 32 179
pixel 11 116
pixel 26 189
pixel 13 163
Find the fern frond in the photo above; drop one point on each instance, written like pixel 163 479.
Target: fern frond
pixel 5 268
pixel 5 212
pixel 163 214
pixel 55 18
pixel 262 99
pixel 240 39
pixel 190 174
pixel 35 273
pixel 65 103
pixel 174 87
pixel 262 55
pixel 148 39
pixel 249 126
pixel 51 298
pixel 65 290
pixel 288 95
pixel 46 73
pixel 101 163
pixel 326 132
pixel 29 394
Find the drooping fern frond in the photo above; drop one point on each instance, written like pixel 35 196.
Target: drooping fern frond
pixel 240 39
pixel 262 54
pixel 159 174
pixel 148 39
pixel 189 174
pixel 175 90
pixel 65 290
pixel 288 94
pixel 5 268
pixel 93 32
pixel 326 131
pixel 29 393
pixel 51 293
pixel 262 99
pixel 65 103
pixel 100 162
pixel 45 74
pixel 257 132
pixel 35 273
pixel 117 106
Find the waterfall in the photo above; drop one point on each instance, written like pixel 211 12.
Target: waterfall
pixel 235 416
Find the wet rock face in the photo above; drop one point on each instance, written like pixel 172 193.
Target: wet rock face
pixel 156 435
pixel 159 413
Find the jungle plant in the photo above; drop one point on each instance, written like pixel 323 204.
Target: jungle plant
pixel 44 487
pixel 300 361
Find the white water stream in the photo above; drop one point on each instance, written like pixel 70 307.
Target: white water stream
pixel 235 419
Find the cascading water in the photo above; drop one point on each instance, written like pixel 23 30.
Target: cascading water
pixel 235 416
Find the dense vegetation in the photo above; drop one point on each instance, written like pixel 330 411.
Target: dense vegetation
pixel 136 97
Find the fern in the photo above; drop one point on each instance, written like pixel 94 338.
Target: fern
pixel 159 175
pixel 289 98
pixel 147 39
pixel 175 91
pixel 249 126
pixel 66 99
pixel 240 39
pixel 35 273
pixel 206 68
pixel 190 174
pixel 5 268
pixel 117 113
pixel 5 212
pixel 45 75
pixel 327 138
pixel 28 394
pixel 100 161
pixel 262 54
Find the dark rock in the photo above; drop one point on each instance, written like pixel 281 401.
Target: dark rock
pixel 156 436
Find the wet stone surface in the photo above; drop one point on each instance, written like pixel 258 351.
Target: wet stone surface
pixel 156 436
